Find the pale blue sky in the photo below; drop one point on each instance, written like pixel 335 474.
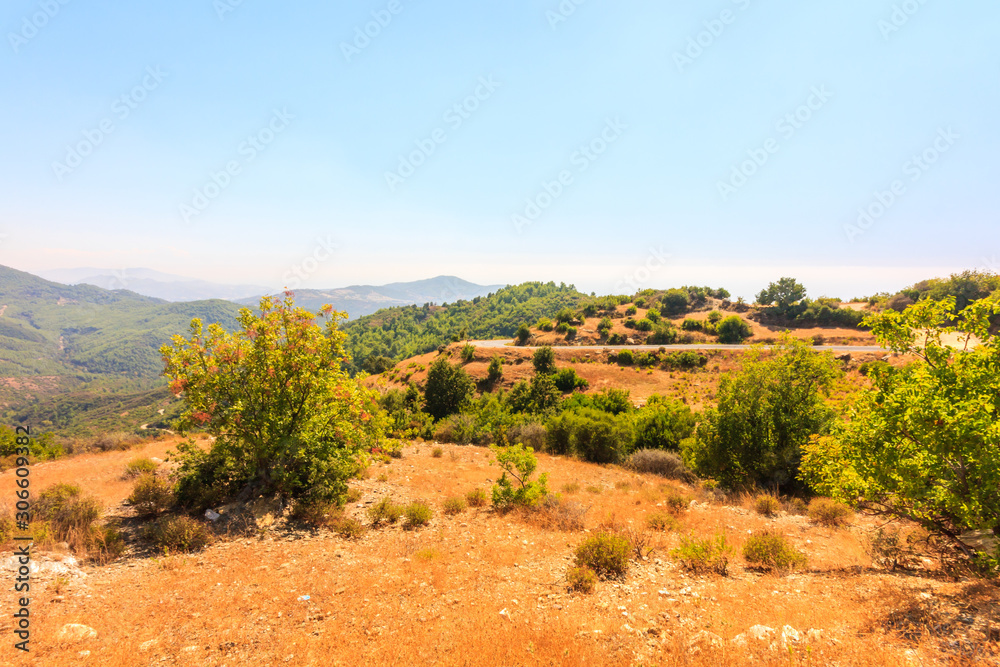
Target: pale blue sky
pixel 338 123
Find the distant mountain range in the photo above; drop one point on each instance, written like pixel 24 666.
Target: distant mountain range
pixel 360 300
pixel 157 284
pixel 355 300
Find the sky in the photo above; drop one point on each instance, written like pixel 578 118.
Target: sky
pixel 615 146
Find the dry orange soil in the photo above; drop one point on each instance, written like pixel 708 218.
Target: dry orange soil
pixel 480 588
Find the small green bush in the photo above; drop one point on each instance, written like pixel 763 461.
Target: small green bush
pixel 733 330
pixel 581 579
pixel 518 464
pixel 662 521
pixel 151 495
pixel 475 497
pixel 544 360
pixel 767 505
pixel 544 324
pixel 659 462
pixel 437 452
pixel 495 371
pixel 567 380
pixel 178 533
pixel 468 352
pixel 385 511
pixel 702 555
pixel 139 466
pixel 631 310
pixel 676 503
pixel 347 528
pixel 691 325
pixel 418 513
pixel 770 551
pixel 606 554
pixel 625 357
pixel 454 505
pixel 830 513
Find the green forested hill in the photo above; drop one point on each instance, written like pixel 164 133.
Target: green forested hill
pixel 52 329
pixel 409 330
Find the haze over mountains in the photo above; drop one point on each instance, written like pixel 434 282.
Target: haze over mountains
pixel 355 300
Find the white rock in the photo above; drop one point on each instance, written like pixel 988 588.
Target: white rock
pixel 75 632
pixel 789 634
pixel 146 645
pixel 760 632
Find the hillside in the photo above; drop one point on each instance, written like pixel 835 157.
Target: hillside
pixel 360 300
pixel 148 282
pixel 491 588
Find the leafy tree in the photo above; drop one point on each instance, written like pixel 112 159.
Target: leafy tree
pixel 604 326
pixel 593 435
pixel 733 330
pixel 544 360
pixel 376 364
pixel 663 424
pixel 923 443
pixel 523 333
pixel 766 413
pixel 784 293
pixel 285 415
pixel 567 380
pixel 518 464
pixel 448 389
pixel 536 397
pixel 675 301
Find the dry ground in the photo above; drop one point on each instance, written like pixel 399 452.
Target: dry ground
pixel 480 588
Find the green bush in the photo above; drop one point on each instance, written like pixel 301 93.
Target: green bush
pixel 590 434
pixel 385 511
pixel 733 330
pixel 418 513
pixel 684 360
pixel 65 516
pixel 454 505
pixel 690 324
pixel 631 310
pixel 770 551
pixel 346 527
pixel 105 544
pixel 663 424
pixel 529 434
pixel 515 488
pixel 570 333
pixel 625 357
pixel 606 554
pixel 544 360
pixel 562 328
pixel 313 512
pixel 468 352
pixel 178 533
pixel 604 326
pixel 495 372
pixel 704 555
pixel 138 467
pixel 653 315
pixel 523 334
pixel 827 512
pixel 567 380
pixel 581 579
pixel 457 429
pixel 675 301
pixel 663 333
pixel 565 315
pixel 644 325
pixel 544 324
pixel 475 497
pixel 437 452
pixel 767 505
pixel 151 495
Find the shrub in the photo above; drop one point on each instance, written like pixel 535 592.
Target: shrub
pixel 565 314
pixel 571 487
pixel 437 452
pixel 691 325
pixel 567 380
pixel 519 463
pixel 677 503
pixel 605 553
pixel 767 505
pixel 770 551
pixel 151 495
pixel 659 462
pixel 523 334
pixel 593 435
pixel 664 333
pixel 675 301
pixel 604 326
pixel 138 467
pixel 418 513
pixel 897 548
pixel 313 512
pixel 570 333
pixel 475 497
pixel 625 357
pixel 714 317
pixel 796 505
pixel 544 360
pixel 105 544
pixel 581 579
pixel 61 515
pixel 354 495
pixel 733 330
pixel 544 324
pixel 178 533
pixel 662 521
pixel 631 310
pixel 454 505
pixel 596 490
pixel 704 555
pixel 458 429
pixel 653 315
pixel 827 512
pixel 347 528
pixel 495 371
pixel 562 328
pixel 644 325
pixel 529 434
pixel 663 424
pixel 385 511
pixel 468 352
pixel 554 513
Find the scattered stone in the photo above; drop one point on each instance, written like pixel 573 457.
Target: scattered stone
pixel 75 632
pixel 789 635
pixel 146 645
pixel 760 632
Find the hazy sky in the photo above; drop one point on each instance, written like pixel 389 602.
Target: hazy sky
pixel 727 142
